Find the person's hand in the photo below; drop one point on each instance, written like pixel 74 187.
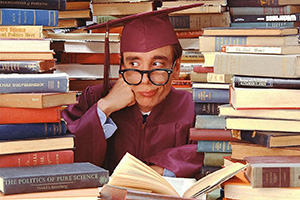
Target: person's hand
pixel 118 97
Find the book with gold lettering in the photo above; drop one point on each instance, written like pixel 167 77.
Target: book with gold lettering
pixel 14 180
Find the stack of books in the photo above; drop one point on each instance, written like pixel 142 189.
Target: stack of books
pixel 81 56
pixel 264 13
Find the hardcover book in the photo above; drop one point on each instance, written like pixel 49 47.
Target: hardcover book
pixel 265 10
pixel 273 171
pixel 213 146
pixel 37 100
pixel 35 4
pixel 215 43
pixel 210 122
pixel 26 67
pixel 268 139
pixel 207 108
pixel 21 32
pixel 51 177
pixel 265 18
pixel 210 134
pixel 37 158
pixel 39 83
pixel 234 31
pixel 62 142
pixel 257 64
pixel 29 115
pixel 32 130
pixel 273 98
pixel 254 3
pixel 13 45
pixel 16 16
pixel 239 187
pixel 210 95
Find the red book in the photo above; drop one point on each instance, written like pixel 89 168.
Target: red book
pixel 37 158
pixel 189 34
pixel 201 69
pixel 12 115
pixel 88 58
pixel 211 134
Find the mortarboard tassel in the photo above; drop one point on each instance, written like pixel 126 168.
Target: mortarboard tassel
pixel 106 80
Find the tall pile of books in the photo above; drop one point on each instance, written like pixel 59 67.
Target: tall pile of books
pixel 254 13
pixel 263 110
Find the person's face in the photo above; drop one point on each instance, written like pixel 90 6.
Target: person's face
pixel 148 95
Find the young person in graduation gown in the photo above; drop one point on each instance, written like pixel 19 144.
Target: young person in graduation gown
pixel 106 127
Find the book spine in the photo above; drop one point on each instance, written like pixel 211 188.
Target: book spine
pixel 210 122
pixel 220 41
pixel 213 146
pixel 87 58
pixel 264 24
pixel 23 84
pixel 203 95
pixel 189 33
pixel 253 137
pixel 205 170
pixel 21 32
pixel 207 108
pixel 251 49
pixel 214 159
pixel 280 10
pixel 265 18
pixel 201 69
pixel 15 16
pixel 31 130
pixel 22 67
pixel 211 134
pixel 27 115
pixel 42 183
pixel 275 177
pixel 254 3
pixel 34 4
pixel 37 158
pixel 264 82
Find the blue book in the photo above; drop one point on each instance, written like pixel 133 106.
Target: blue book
pixel 35 4
pixel 213 146
pixel 38 83
pixel 32 130
pixel 16 16
pixel 210 95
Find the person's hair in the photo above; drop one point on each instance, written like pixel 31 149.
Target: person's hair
pixel 176 48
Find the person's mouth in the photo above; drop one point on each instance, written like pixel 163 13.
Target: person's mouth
pixel 148 93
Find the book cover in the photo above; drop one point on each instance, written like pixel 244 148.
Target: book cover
pixel 265 82
pixel 265 18
pixel 268 139
pixel 37 158
pixel 87 58
pixel 210 134
pixel 273 171
pixel 15 115
pixel 214 159
pixel 210 122
pixel 16 16
pixel 207 108
pixel 273 98
pixel 255 64
pixel 61 142
pixel 268 124
pixel 51 177
pixel 239 187
pixel 21 32
pixel 27 83
pixel 32 130
pixel 35 4
pixel 210 77
pixel 264 24
pixel 37 100
pixel 240 150
pixel 213 146
pixel 248 31
pixel 288 114
pixel 254 3
pixel 13 45
pixel 210 95
pixel 26 67
pixel 215 43
pixel 27 55
pixel 268 10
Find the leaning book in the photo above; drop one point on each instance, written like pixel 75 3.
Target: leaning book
pixel 14 180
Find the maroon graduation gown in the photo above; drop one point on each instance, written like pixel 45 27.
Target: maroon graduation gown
pixel 162 140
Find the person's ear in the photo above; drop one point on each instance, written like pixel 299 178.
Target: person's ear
pixel 176 69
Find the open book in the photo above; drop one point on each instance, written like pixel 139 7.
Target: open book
pixel 131 173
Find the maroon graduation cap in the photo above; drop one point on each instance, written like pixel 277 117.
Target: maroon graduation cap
pixel 142 32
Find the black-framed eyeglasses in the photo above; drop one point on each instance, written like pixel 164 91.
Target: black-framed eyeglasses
pixel 157 77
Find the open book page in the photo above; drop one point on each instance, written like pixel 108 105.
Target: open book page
pixel 133 173
pixel 180 184
pixel 213 180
